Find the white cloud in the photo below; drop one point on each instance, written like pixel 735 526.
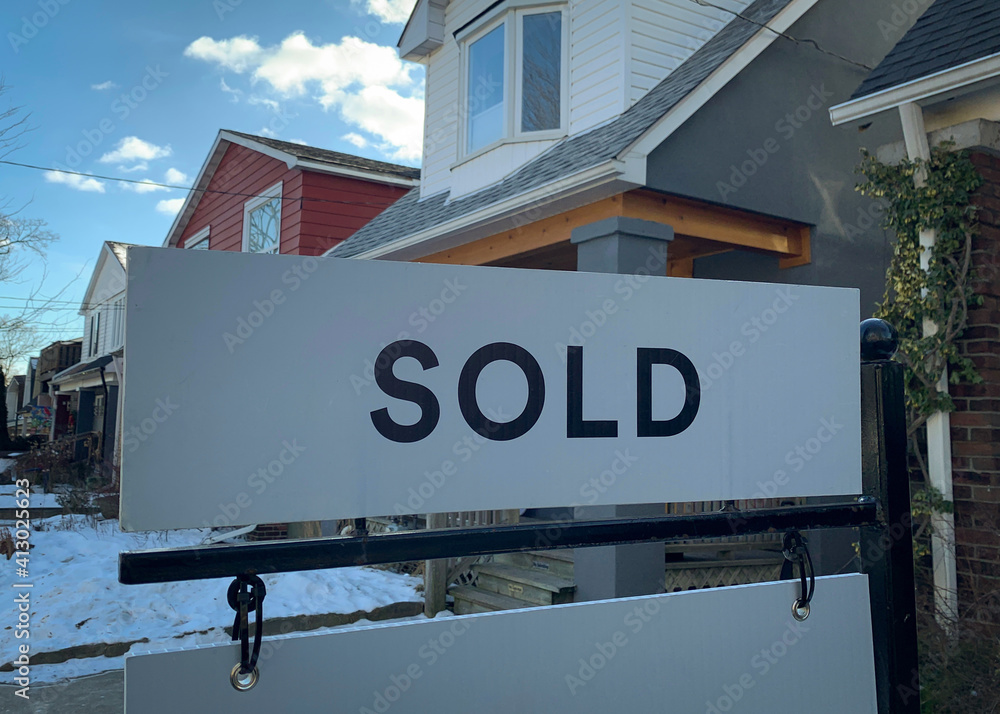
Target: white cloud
pixel 269 132
pixel 356 139
pixel 397 120
pixel 170 206
pixel 144 186
pixel 177 178
pixel 141 166
pixel 262 101
pixel 103 86
pixel 135 151
pixel 237 54
pixel 80 183
pixel 368 84
pixel 396 11
pixel 235 93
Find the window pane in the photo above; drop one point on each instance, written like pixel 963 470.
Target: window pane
pixel 486 106
pixel 541 71
pixel 264 227
pixel 200 245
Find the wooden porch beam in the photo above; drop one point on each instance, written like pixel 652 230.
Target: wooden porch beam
pixel 701 230
pixel 737 229
pixel 546 232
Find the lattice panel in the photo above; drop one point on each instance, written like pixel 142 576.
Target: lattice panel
pixel 723 575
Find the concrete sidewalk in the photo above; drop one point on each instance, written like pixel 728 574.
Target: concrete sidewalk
pixel 97 694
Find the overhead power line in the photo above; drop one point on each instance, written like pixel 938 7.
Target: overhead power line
pixel 192 189
pixel 806 41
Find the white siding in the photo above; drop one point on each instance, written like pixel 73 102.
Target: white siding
pixel 597 76
pixel 618 51
pixel 493 166
pixel 441 107
pixel 108 300
pixel 597 59
pixel 664 33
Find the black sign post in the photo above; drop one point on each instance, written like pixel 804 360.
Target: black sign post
pixel 887 549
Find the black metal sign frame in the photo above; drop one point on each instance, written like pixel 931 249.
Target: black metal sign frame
pixel 881 512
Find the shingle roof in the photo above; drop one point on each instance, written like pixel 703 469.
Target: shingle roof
pixel 573 154
pixel 334 158
pixel 949 33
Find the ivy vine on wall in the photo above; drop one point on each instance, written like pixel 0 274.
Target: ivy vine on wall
pixel 940 295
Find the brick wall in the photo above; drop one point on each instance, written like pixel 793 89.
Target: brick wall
pixel 976 421
pixel 269 531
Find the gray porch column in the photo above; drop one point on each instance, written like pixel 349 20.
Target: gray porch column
pixel 636 247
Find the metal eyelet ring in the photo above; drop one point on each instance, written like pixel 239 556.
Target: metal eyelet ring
pixel 800 610
pixel 243 682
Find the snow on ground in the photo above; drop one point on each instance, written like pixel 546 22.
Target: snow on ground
pixel 76 598
pixel 38 499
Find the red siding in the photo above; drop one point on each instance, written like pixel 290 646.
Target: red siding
pixel 318 210
pixel 334 208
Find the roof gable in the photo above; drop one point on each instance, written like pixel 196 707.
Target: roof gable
pixel 307 158
pixel 950 33
pixel 112 257
pixel 575 154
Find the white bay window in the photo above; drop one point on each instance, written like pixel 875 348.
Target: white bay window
pixel 515 77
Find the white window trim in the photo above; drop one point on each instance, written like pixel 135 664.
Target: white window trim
pixel 511 14
pixel 95 332
pixel 118 323
pixel 480 32
pixel 560 131
pixel 255 203
pixel 199 237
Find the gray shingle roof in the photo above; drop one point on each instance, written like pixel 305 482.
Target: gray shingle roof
pixel 573 154
pixel 949 33
pixel 334 158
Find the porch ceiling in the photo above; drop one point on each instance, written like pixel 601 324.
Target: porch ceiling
pixel 701 229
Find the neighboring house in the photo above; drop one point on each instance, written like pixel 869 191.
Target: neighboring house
pixel 61 408
pixel 261 195
pixel 941 82
pixel 89 387
pixel 35 413
pixel 15 401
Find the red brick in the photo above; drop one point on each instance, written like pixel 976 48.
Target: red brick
pixel 974 448
pixel 986 494
pixel 970 478
pixel 986 464
pixel 962 492
pixel 988 554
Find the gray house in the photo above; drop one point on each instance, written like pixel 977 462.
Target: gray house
pixel 550 126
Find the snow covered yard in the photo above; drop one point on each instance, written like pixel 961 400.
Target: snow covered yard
pixel 76 598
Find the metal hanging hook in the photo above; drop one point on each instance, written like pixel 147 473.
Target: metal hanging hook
pixel 245 592
pixel 796 550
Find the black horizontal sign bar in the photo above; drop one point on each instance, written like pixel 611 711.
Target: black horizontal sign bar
pixel 219 561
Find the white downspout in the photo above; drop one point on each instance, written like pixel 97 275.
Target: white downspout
pixel 939 423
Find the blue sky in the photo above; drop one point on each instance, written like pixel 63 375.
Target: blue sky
pixel 139 90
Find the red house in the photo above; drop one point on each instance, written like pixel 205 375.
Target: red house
pixel 261 195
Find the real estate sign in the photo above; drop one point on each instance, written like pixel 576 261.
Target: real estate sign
pixel 262 388
pixel 711 651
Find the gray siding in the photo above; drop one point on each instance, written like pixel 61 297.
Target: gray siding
pixel 809 171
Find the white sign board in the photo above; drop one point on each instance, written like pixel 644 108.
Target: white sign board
pixel 262 388
pixel 721 650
